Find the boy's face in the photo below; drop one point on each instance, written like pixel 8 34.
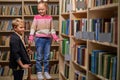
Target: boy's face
pixel 20 28
pixel 42 9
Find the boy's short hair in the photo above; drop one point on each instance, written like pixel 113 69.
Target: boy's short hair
pixel 16 22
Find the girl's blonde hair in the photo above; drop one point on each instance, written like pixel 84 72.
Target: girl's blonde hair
pixel 16 22
pixel 43 2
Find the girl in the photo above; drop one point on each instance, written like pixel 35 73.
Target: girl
pixel 42 30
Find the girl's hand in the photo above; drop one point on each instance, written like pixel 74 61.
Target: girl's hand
pixel 30 42
pixel 59 40
pixel 29 49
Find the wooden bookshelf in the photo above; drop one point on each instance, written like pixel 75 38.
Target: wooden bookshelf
pixel 7 15
pixel 82 31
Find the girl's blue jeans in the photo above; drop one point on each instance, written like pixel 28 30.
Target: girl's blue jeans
pixel 43 51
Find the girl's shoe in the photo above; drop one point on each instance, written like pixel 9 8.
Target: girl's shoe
pixel 40 76
pixel 47 75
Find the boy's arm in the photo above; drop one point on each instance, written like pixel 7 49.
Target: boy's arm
pixel 25 66
pixel 20 62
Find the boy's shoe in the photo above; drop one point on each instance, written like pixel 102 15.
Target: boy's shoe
pixel 47 75
pixel 40 76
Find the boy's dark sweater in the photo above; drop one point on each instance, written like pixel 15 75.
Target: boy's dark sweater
pixel 17 51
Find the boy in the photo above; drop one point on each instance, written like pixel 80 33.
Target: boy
pixel 19 58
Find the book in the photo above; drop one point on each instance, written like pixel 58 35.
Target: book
pixel 114 74
pixel 6 71
pixel 81 54
pixel 94 61
pixel 100 63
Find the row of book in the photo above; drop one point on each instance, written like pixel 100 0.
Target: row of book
pixel 65 46
pixel 78 5
pixel 53 9
pixel 94 3
pixel 6 71
pixel 66 70
pixel 53 0
pixel 80 54
pixel 78 25
pixel 79 76
pixel 30 10
pixel 73 5
pixel 53 69
pixel 65 27
pixel 55 24
pixel 4 40
pixel 10 10
pixel 104 63
pixel 26 36
pixel 104 27
pixel 6 25
pixel 99 29
pixel 67 56
pixel 4 55
pixel 32 0
pixel 28 24
pixel 53 55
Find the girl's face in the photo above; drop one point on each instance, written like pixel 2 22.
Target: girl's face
pixel 42 9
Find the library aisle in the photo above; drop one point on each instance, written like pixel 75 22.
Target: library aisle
pixel 90 49
pixel 25 9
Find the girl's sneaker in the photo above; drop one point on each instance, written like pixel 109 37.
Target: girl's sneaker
pixel 40 76
pixel 47 75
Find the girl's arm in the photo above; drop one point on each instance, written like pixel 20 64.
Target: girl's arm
pixel 32 30
pixel 53 32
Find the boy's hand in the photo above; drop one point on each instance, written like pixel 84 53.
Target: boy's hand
pixel 26 66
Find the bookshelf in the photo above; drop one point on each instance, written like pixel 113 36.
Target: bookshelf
pixel 25 9
pixel 91 42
